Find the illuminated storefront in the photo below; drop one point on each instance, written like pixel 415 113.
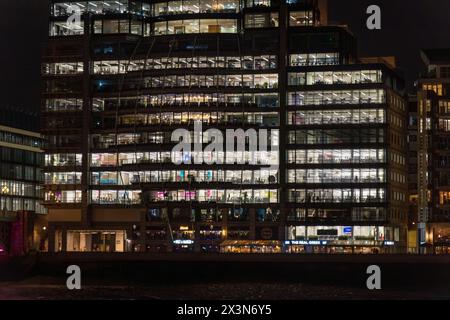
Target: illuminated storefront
pixel 96 241
pixel 337 246
pixel 339 239
pixel 249 246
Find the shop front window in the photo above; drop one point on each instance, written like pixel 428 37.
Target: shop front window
pixel 249 246
pixel 96 241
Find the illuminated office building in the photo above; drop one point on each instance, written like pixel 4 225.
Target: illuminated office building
pixel 433 141
pixel 119 83
pixel 21 162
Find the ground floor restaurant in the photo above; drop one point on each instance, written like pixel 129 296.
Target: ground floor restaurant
pixel 439 234
pixel 312 246
pixel 337 247
pixel 251 246
pixel 440 248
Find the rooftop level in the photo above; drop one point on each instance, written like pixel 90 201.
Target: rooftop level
pixel 436 56
pixel 19 118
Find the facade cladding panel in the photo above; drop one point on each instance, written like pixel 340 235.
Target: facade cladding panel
pixel 130 73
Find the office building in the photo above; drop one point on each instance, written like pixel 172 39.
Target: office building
pixel 433 110
pixel 21 177
pixel 120 82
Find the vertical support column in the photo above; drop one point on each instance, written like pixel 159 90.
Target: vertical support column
pixel 323 8
pixel 169 243
pixel 64 239
pixel 85 143
pixel 282 90
pixel 143 231
pixel 422 169
pixel 196 237
pixel 224 224
pixel 51 239
pixel 224 213
pixel 252 224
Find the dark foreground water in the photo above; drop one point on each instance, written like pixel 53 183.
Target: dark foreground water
pixel 44 288
pixel 336 279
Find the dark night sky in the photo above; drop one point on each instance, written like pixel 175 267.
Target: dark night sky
pixel 407 26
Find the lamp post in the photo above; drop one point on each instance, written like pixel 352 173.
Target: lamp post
pixel 4 191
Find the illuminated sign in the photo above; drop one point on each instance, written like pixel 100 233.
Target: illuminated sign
pixel 183 241
pixel 348 230
pixel 389 243
pixel 306 243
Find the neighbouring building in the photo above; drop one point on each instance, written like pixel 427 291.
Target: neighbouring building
pixel 21 178
pixel 412 174
pixel 433 135
pixel 118 84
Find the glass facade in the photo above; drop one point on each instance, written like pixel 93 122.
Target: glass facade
pixel 314 59
pixel 195 6
pixel 430 129
pixel 21 176
pixel 157 66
